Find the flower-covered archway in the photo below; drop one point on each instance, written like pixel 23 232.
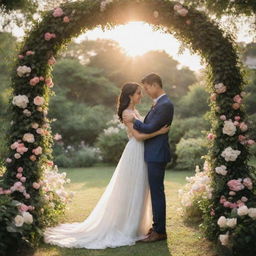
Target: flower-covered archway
pixel 229 216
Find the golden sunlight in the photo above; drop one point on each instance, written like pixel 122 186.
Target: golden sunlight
pixel 137 38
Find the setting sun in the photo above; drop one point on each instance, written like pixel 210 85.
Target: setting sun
pixel 137 38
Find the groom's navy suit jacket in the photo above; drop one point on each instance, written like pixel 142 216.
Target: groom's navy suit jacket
pixel 157 149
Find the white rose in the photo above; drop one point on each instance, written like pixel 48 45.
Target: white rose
pixel 252 213
pixel 224 239
pixel 26 112
pixel 20 101
pixel 230 154
pixel 23 71
pixel 231 222
pixel 18 220
pixel 221 170
pixel 28 218
pixel 229 128
pixel 28 137
pixel 243 210
pixel 222 222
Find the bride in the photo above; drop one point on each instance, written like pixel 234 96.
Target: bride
pixel 123 215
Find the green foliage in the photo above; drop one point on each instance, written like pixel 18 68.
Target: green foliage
pixel 77 121
pixel 189 152
pixel 194 103
pixel 84 84
pixel 226 7
pixel 112 145
pixel 83 156
pixel 8 210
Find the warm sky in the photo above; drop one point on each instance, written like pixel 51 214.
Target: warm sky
pixel 137 38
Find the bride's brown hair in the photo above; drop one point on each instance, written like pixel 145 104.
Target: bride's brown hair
pixel 124 100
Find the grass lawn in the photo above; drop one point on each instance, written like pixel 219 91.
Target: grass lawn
pixel 89 184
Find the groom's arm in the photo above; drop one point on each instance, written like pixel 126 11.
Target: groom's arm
pixel 161 119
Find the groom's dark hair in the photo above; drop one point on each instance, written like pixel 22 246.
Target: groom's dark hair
pixel 152 78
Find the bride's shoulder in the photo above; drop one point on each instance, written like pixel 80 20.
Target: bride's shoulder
pixel 128 114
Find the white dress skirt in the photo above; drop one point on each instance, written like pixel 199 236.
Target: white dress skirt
pixel 123 214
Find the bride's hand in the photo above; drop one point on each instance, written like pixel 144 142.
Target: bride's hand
pixel 164 129
pixel 128 118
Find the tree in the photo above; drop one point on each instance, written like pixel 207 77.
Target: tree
pixel 85 84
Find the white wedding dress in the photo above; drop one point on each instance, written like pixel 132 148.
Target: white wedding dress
pixel 123 214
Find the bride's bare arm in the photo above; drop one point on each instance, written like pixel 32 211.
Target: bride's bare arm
pixel 128 116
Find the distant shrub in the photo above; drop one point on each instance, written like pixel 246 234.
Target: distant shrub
pixel 189 152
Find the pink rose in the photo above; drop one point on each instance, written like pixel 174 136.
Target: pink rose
pixel 21 149
pixel 212 212
pixel 21 57
pixel 7 192
pixel 23 179
pixel 36 185
pixel 177 7
pixel 8 160
pixel 18 175
pixel 250 142
pixel 188 22
pixel 223 117
pixel 39 131
pixel 17 184
pixel 34 81
pixel 236 106
pixel 14 145
pixel 233 205
pixel 57 12
pixel 23 207
pixel 30 53
pixel 32 158
pixel 182 12
pixel 39 101
pixel 48 36
pixel 241 138
pixel 237 118
pixel 66 19
pixel 226 204
pixel 235 185
pixel 236 123
pixel 20 169
pixel 57 137
pixel 237 99
pixel 243 127
pixel 37 151
pixel 248 183
pixel 213 96
pixel 52 61
pixel 48 82
pixel 222 199
pixel 50 163
pixel 211 136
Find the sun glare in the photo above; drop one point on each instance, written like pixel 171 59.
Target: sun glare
pixel 137 38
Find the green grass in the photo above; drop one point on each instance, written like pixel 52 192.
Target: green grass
pixel 89 184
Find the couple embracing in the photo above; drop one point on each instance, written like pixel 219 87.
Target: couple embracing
pixel 132 207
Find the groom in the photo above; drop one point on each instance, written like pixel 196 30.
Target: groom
pixel 157 152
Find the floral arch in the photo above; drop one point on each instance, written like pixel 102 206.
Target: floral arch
pixel 229 216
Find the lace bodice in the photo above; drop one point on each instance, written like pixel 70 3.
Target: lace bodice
pixel 138 116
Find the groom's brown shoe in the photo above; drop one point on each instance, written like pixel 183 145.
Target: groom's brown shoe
pixel 154 236
pixel 150 231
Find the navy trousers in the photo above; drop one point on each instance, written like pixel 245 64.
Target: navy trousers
pixel 156 172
